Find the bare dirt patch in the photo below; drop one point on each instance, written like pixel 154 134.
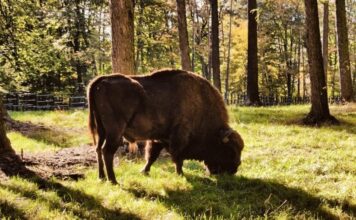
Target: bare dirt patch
pixel 66 163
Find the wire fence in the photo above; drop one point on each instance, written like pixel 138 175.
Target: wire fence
pixel 23 101
pixel 241 99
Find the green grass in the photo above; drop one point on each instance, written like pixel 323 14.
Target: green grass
pixel 75 119
pixel 58 129
pixel 289 171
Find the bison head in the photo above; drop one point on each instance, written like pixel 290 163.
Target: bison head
pixel 226 157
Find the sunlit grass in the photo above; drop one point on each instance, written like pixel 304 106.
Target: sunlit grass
pixel 21 142
pixel 74 119
pixel 289 171
pixel 60 129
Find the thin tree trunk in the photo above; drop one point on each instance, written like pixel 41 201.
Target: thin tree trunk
pixel 326 39
pixel 122 27
pixel 304 73
pixel 319 98
pixel 77 47
pixel 343 48
pixel 354 71
pixel 228 57
pixel 209 49
pixel 204 66
pixel 298 70
pixel 252 59
pixel 334 73
pixel 215 57
pixel 139 47
pixel 183 36
pixel 291 63
pixel 194 35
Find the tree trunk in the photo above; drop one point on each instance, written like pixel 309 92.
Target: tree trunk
pixel 195 21
pixel 228 57
pixel 183 36
pixel 289 65
pixel 122 33
pixel 208 76
pixel 334 73
pixel 304 73
pixel 215 57
pixel 319 98
pixel 252 60
pixel 4 141
pixel 326 39
pixel 298 70
pixel 343 48
pixel 139 41
pixel 77 47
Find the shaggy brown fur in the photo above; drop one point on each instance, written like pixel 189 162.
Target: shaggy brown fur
pixel 181 111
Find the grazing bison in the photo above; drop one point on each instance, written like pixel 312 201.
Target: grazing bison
pixel 180 111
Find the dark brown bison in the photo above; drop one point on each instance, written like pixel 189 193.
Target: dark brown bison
pixel 180 111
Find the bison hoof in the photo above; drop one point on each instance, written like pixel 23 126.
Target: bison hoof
pixel 180 173
pixel 113 182
pixel 145 172
pixel 102 179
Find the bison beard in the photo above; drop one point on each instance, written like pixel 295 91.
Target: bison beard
pixel 179 110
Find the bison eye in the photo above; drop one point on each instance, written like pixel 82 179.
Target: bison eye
pixel 225 140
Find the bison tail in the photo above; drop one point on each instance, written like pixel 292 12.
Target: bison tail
pixel 94 121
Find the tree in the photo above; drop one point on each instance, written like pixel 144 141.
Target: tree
pixel 228 56
pixel 215 57
pixel 52 46
pixel 183 36
pixel 343 48
pixel 326 39
pixel 319 98
pixel 4 141
pixel 122 28
pixel 252 60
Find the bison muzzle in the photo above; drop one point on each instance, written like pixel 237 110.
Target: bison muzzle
pixel 177 110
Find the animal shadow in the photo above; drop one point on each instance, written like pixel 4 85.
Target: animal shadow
pixel 240 197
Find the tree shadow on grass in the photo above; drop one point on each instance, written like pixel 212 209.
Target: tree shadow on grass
pixel 276 116
pixel 8 211
pixel 39 132
pixel 239 197
pixel 82 205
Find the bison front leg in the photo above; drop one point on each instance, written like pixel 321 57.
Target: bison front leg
pixel 178 142
pixel 153 150
pixel 179 166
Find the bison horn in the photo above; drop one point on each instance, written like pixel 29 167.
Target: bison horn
pixel 226 134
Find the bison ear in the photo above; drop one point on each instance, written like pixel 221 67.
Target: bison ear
pixel 225 135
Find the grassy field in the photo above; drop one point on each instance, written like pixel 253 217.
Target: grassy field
pixel 59 129
pixel 288 171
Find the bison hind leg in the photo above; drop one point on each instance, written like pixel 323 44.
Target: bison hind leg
pixel 111 145
pixel 153 149
pixel 100 143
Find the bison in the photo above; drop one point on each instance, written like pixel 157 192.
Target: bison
pixel 178 110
